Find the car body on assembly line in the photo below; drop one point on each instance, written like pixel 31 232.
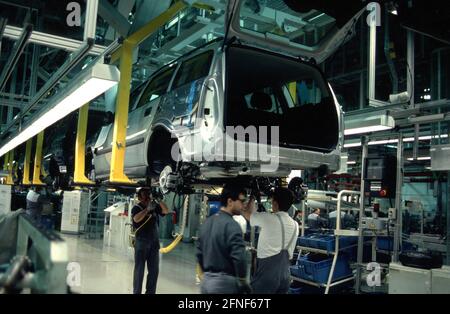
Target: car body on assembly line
pixel 262 74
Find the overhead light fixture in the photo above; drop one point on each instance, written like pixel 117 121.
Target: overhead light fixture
pixel 395 141
pixel 350 145
pixel 351 162
pixel 86 86
pixel 369 125
pixel 383 142
pixel 316 17
pixel 420 158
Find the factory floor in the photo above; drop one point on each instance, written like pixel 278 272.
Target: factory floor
pixel 104 270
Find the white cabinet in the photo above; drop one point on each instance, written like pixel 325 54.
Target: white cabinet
pixel 408 280
pixel 74 212
pixel 441 280
pixel 5 199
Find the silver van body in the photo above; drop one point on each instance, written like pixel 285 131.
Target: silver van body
pixel 203 101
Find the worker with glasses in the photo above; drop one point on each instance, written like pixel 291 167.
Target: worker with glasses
pixel 221 250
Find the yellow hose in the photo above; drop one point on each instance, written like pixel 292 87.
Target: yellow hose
pixel 177 240
pixel 199 272
pixel 172 245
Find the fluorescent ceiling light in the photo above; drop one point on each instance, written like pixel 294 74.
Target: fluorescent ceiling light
pixel 369 125
pixel 420 158
pixel 395 141
pixel 350 145
pixel 383 142
pixel 351 162
pixel 367 129
pixel 316 17
pixel 86 86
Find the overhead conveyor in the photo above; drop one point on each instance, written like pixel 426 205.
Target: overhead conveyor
pixel 125 53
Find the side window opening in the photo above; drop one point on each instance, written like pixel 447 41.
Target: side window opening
pixel 157 87
pixel 134 96
pixel 193 69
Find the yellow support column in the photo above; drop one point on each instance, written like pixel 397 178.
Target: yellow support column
pixel 26 164
pixel 38 160
pixel 5 164
pixel 9 178
pixel 80 147
pixel 116 174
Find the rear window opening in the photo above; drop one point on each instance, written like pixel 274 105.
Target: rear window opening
pixel 265 89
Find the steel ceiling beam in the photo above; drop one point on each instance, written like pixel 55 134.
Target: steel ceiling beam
pixel 114 18
pixel 90 24
pixel 187 37
pixel 14 57
pixel 3 22
pixel 52 41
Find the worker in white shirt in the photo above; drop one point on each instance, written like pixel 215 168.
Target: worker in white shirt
pixel 276 243
pixel 242 223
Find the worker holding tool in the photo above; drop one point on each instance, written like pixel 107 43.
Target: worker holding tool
pixel 276 243
pixel 145 217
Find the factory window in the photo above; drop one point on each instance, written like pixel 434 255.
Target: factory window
pixel 193 69
pixel 157 87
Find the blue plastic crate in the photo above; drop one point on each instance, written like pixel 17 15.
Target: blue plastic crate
pixel 326 241
pixel 303 241
pixel 320 270
pixel 347 241
pixel 317 240
pixel 295 290
pixel 295 271
pixel 385 243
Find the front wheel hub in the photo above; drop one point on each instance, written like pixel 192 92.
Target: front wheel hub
pixel 168 181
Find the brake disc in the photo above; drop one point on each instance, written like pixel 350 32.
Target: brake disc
pixel 164 179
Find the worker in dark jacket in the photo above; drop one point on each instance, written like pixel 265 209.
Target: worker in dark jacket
pixel 221 247
pixel 145 217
